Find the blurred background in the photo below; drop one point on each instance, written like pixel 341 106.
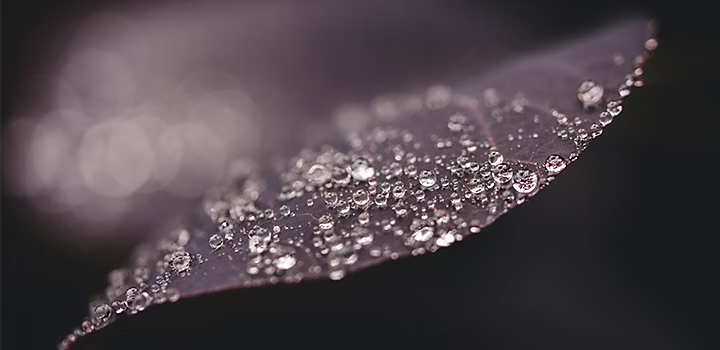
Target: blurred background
pixel 116 115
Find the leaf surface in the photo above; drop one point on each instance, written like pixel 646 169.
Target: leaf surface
pixel 426 170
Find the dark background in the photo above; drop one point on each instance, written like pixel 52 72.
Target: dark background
pixel 617 254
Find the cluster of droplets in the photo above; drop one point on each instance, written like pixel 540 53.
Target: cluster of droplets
pixel 391 194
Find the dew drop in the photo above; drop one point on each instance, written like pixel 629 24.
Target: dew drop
pixel 101 314
pixel 605 118
pixel 381 199
pixel 364 218
pixel 423 234
pixel 614 108
pixel 525 181
pixel 651 44
pixel 215 241
pixel 326 222
pixel 319 174
pixel 398 191
pixel 172 295
pixel 475 185
pixel 502 173
pixel 331 198
pixel 361 197
pixel 343 207
pixel 427 178
pixel 361 170
pixel 555 164
pixel 590 93
pixel 456 122
pixel 180 260
pixel 495 158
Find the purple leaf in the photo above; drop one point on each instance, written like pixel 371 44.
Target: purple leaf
pixel 426 170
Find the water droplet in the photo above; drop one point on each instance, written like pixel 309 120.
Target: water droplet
pixel 326 222
pixel 651 44
pixel 361 170
pixel 341 176
pixel 502 173
pixel 361 197
pixel 172 295
pixel 259 240
pixel 427 178
pixel 398 191
pixel 446 238
pixel 590 93
pixel 343 207
pixel 423 234
pixel 555 164
pixel 215 241
pixel 337 275
pixel 437 97
pixel 475 185
pixel 614 108
pixel 364 218
pixel 180 260
pixel 284 210
pixel 137 301
pixel 101 314
pixel 605 118
pixel 381 199
pixel 284 257
pixel 495 158
pixel 319 174
pixel 456 122
pixel 331 198
pixel 362 235
pixel 525 181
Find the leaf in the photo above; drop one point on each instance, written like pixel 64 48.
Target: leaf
pixel 429 170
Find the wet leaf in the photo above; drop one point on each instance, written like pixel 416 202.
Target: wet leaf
pixel 425 171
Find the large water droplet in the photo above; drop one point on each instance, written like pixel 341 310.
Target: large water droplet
pixel 427 178
pixel 555 164
pixel 525 181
